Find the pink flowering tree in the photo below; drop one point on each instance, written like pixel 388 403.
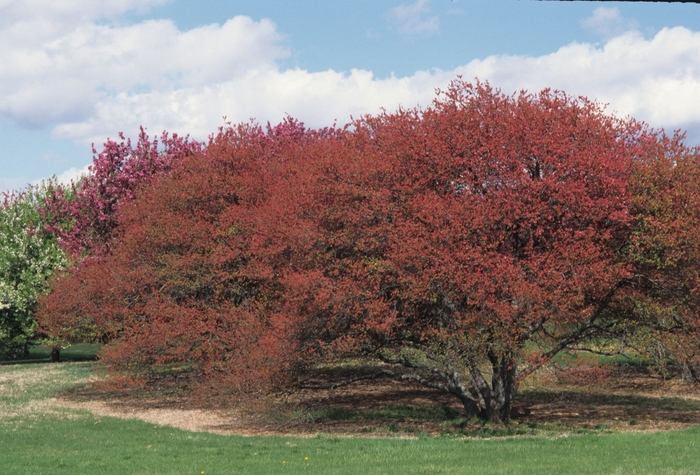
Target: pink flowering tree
pixel 84 215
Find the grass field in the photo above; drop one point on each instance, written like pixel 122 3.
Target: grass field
pixel 42 354
pixel 37 437
pixel 82 445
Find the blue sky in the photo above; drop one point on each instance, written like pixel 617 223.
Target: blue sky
pixel 76 72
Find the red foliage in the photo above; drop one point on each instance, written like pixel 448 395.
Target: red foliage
pixel 439 241
pixel 85 215
pixel 666 245
pixel 454 235
pixel 582 374
pixel 191 285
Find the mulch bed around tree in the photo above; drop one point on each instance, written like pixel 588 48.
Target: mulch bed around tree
pixel 630 399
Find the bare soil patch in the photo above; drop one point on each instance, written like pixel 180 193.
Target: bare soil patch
pixel 631 399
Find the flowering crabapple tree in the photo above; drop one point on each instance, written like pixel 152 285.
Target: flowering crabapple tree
pixel 666 249
pixel 467 244
pixel 85 215
pixel 462 246
pixel 190 284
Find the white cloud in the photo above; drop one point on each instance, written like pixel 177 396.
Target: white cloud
pixel 93 80
pixel 72 175
pixel 657 80
pixel 318 98
pixel 414 19
pixel 608 22
pixel 10 184
pixel 65 14
pixel 60 77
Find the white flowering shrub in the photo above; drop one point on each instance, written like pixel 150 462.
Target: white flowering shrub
pixel 28 257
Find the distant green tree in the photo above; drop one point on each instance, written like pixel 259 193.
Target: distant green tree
pixel 28 257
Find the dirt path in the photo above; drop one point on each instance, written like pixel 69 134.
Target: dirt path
pixel 633 403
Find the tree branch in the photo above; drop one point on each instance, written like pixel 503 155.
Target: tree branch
pixel 581 331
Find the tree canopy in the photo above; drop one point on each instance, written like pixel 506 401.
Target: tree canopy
pixel 44 226
pixel 28 257
pixel 84 214
pixel 462 246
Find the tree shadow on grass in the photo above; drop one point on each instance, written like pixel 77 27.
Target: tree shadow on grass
pixel 603 399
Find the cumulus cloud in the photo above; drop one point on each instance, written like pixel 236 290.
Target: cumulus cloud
pixel 92 80
pixel 656 80
pixel 59 76
pixel 608 22
pixel 319 98
pixel 72 175
pixel 414 18
pixel 62 15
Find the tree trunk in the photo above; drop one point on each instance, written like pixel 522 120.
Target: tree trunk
pixel 55 354
pixel 503 383
pixel 690 372
pixel 494 401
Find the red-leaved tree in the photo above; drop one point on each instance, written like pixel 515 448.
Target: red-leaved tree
pixel 666 249
pixel 190 283
pixel 84 215
pixel 462 246
pixel 468 243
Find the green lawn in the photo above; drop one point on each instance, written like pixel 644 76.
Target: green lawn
pixel 36 438
pixel 84 446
